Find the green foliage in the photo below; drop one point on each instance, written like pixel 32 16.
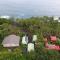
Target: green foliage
pixel 33 25
pixel 58 41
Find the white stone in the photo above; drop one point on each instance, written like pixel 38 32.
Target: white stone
pixel 9 50
pixel 9 45
pixel 30 47
pixel 11 41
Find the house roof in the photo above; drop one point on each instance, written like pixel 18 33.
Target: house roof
pixel 11 39
pixel 56 18
pixel 6 17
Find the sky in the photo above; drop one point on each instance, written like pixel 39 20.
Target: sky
pixel 35 7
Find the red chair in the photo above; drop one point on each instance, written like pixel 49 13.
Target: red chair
pixel 53 38
pixel 52 47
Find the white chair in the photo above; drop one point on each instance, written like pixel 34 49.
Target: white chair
pixel 30 47
pixel 34 38
pixel 24 40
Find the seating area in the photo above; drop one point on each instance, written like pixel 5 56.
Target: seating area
pixel 13 41
pixel 52 45
pixel 30 44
